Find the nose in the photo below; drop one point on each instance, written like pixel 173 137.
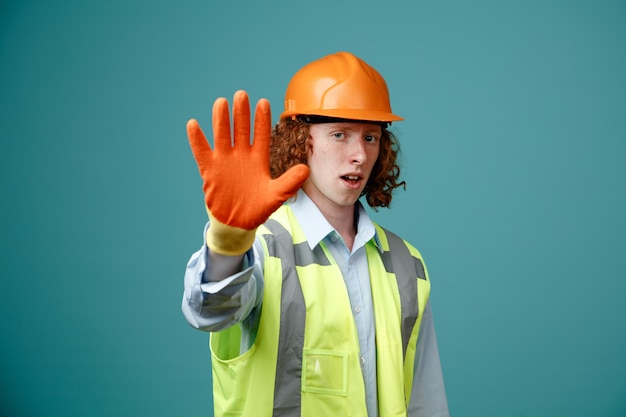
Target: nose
pixel 358 156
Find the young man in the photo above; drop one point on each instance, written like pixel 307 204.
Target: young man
pixel 313 309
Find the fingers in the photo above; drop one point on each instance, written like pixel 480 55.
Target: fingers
pixel 199 145
pixel 241 120
pixel 262 127
pixel 287 184
pixel 221 125
pixel 241 124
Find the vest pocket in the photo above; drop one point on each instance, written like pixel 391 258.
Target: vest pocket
pixel 325 372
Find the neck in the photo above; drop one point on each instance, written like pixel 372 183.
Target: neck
pixel 341 218
pixel 345 225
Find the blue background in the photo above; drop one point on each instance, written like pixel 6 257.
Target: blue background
pixel 513 150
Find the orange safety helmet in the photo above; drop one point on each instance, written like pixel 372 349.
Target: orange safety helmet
pixel 341 86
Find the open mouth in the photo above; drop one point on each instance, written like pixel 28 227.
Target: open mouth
pixel 351 179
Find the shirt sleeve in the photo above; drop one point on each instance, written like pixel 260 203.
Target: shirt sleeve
pixel 214 306
pixel 428 395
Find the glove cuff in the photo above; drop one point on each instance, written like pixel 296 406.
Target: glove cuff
pixel 228 240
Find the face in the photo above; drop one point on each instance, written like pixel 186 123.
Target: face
pixel 341 160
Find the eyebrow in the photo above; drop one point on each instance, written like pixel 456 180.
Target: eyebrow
pixel 342 126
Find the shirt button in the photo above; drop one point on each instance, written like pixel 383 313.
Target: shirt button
pixel 362 361
pixel 357 309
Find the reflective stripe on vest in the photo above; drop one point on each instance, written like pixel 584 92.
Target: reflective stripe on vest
pixel 407 286
pixel 299 356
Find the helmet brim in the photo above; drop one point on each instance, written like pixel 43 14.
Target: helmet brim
pixel 349 114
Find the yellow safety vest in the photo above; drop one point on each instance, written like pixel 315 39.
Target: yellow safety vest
pixel 305 358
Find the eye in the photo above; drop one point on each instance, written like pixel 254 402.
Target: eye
pixel 371 139
pixel 339 135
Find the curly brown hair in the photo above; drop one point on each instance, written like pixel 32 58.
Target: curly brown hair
pixel 289 146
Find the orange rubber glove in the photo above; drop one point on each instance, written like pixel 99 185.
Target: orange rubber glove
pixel 238 189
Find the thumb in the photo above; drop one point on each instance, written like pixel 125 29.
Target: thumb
pixel 199 145
pixel 287 184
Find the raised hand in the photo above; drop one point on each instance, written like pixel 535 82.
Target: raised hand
pixel 238 189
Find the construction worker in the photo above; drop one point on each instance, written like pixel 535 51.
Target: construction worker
pixel 312 308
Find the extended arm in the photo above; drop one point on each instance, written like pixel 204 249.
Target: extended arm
pixel 221 290
pixel 239 195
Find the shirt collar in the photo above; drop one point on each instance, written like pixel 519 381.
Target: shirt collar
pixel 316 227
